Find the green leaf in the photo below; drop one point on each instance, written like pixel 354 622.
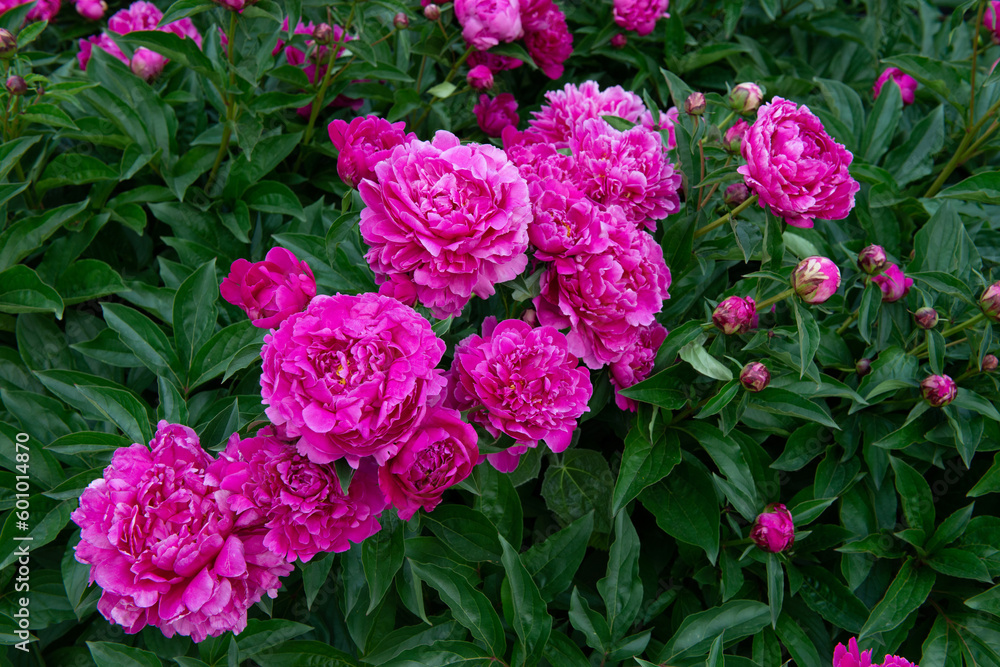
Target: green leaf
pixel 593 626
pixel 109 654
pixel 262 635
pixel 11 152
pixel 705 363
pixel 87 279
pixel 184 52
pixel 943 78
pixel 983 188
pixel 951 528
pixel 809 336
pixel 660 389
pixel 694 637
pixel 915 494
pixel 274 197
pixel 465 530
pixel 907 592
pixel 220 350
pixel 621 587
pixel 580 483
pixel 304 653
pixel 443 654
pixel 685 508
pixel 798 643
pixel 961 564
pixel 803 445
pixel 74 169
pixel 184 9
pixel 913 159
pixel 824 593
pixel 783 402
pixel 644 464
pixel 47 518
pixel 121 408
pixel 48 115
pixel 442 90
pixel 970 400
pixel 22 291
pixel 532 621
pixel 563 651
pixel 720 400
pixel 27 235
pixel 871 305
pixel 194 311
pixel 382 556
pixel 144 338
pixel 775 587
pixel 499 502
pixel 882 123
pixel 989 482
pixel 554 562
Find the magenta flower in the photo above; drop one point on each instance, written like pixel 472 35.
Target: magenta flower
pixel 314 61
pixel 486 23
pixel 91 9
pixel 850 656
pixel 774 529
pixel 872 259
pixel 536 158
pixel 164 550
pixel 351 376
pixel 991 19
pixel 269 291
pixel 907 84
pixel 140 15
pixel 401 288
pixel 363 143
pixel 636 363
pixel 667 120
pixel 639 15
pixel 558 120
pixel 938 390
pixel 546 36
pixel 796 168
pixel 300 503
pixel 735 315
pixel 497 114
pixel 732 140
pixel 480 77
pixel 605 298
pixel 893 283
pixel 816 279
pixel 494 61
pixel 440 454
pixel 989 301
pixel 755 377
pixel 45 10
pixel 521 381
pixel 453 218
pixel 567 223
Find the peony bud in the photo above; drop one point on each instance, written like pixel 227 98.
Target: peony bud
pixel 16 85
pixel 745 98
pixel 235 5
pixel 926 317
pixel 323 34
pixel 619 41
pixel 480 77
pixel 8 44
pixel 990 301
pixel 432 12
pixel 530 316
pixel 989 363
pixel 774 529
pixel 755 377
pixel 938 390
pixel 735 315
pixel 736 194
pixel 732 141
pixel 893 283
pixel 816 279
pixel 147 64
pixel 695 104
pixel 401 21
pixel 863 367
pixel 872 259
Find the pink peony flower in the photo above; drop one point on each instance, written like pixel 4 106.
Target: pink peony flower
pixel 363 143
pixel 546 36
pixel 351 376
pixel 637 363
pixel 896 661
pixel 991 19
pixel 735 315
pixel 732 140
pixel 619 41
pixel 774 529
pixel 139 16
pixel 907 84
pixel 270 291
pixel 521 381
pixel 91 9
pixel 893 283
pixel 567 109
pixel 45 10
pixel 850 656
pixel 667 121
pixel 816 279
pixel 453 218
pixel 486 23
pixel 163 548
pixel 939 390
pixel 640 15
pixel 147 64
pixel 989 301
pixel 495 115
pixel 440 454
pixel 566 223
pixel 798 171
pixel 300 503
pixel 537 159
pixel 401 288
pixel 755 377
pixel 480 77
pixel 605 298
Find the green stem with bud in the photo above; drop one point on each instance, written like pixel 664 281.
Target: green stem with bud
pixel 781 296
pixel 972 321
pixel 726 218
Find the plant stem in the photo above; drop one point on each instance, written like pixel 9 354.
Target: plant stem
pixel 972 321
pixel 451 75
pixel 850 320
pixel 725 121
pixel 227 132
pixel 781 296
pixel 975 59
pixel 961 153
pixel 724 219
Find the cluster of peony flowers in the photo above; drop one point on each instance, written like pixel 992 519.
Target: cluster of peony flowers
pixel 140 15
pixel 44 10
pixel 852 656
pixel 639 15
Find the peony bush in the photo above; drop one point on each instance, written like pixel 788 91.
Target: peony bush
pixel 499 332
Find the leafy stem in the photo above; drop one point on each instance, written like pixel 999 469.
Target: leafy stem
pixel 724 219
pixel 227 131
pixel 972 321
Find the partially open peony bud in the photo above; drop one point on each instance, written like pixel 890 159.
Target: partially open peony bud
pixel 745 98
pixel 272 290
pixel 147 64
pixel 863 367
pixel 619 41
pixel 432 12
pixel 735 315
pixel 774 529
pixel 480 77
pixel 755 377
pixel 989 363
pixel 939 390
pixel 8 44
pixel 401 21
pixel 816 279
pixel 990 301
pixel 736 194
pixel 926 317
pixel 323 34
pixel 16 85
pixel 732 140
pixel 907 84
pixel 893 283
pixel 695 104
pixel 872 259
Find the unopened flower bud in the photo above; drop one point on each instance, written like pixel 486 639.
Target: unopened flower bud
pixel 619 41
pixel 16 85
pixel 939 390
pixel 990 301
pixel 401 21
pixel 695 104
pixel 872 259
pixel 735 315
pixel 755 377
pixel 774 529
pixel 480 77
pixel 732 141
pixel 736 194
pixel 323 34
pixel 147 64
pixel 989 363
pixel 530 316
pixel 745 98
pixel 816 279
pixel 432 12
pixel 863 367
pixel 8 44
pixel 926 317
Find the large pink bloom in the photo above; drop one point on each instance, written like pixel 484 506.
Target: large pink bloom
pixel 639 15
pixel 453 218
pixel 567 222
pixel 351 376
pixel 606 298
pixel 796 168
pixel 546 36
pixel 163 548
pixel 893 283
pixel 486 23
pixel 363 143
pixel 496 114
pixel 558 121
pixel 637 363
pixel 269 291
pixel 521 381
pixel 264 480
pixel 440 454
pixel 45 10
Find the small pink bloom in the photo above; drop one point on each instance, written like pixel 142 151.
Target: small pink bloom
pixel 938 390
pixel 896 661
pixel 440 454
pixel 401 288
pixel 495 62
pixel 732 140
pixel 695 104
pixel 989 301
pixel 480 77
pixel 755 377
pixel 91 9
pixel 850 656
pixel 363 143
pixel 872 259
pixel 907 84
pixel 546 36
pixel 893 283
pixel 271 290
pixel 619 41
pixel 735 315
pixel 147 64
pixel 496 114
pixel 639 15
pixel 774 529
pixel 140 15
pixel 486 23
pixel 45 10
pixel 637 363
pixel 816 279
